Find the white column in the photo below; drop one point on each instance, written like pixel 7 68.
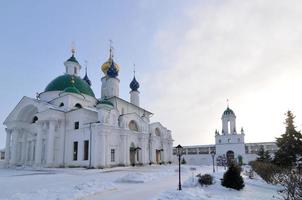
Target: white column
pixel 151 151
pixel 7 145
pixel 24 144
pixel 123 149
pixel 102 150
pixel 50 143
pixel 38 150
pixel 13 159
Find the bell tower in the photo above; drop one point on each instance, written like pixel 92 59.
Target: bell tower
pixel 110 82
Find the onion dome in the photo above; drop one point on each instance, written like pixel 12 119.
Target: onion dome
pixel 64 82
pixel 110 64
pixel 134 85
pixel 228 112
pixel 112 71
pixel 86 79
pixel 105 67
pixel 72 58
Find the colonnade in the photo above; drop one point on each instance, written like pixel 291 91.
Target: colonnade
pixel 32 145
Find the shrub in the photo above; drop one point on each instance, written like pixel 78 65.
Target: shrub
pixel 232 178
pixel 183 161
pixel 292 185
pixel 205 179
pixel 267 171
pixel 169 162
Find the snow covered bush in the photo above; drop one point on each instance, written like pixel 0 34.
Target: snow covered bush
pixel 292 185
pixel 183 161
pixel 267 171
pixel 205 179
pixel 232 178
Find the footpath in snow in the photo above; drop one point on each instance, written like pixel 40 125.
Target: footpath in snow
pixel 135 183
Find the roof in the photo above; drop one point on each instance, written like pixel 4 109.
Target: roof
pixel 115 97
pixel 228 111
pixel 73 59
pixel 65 81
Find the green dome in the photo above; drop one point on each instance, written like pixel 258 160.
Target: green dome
pixel 64 82
pixel 72 90
pixel 228 111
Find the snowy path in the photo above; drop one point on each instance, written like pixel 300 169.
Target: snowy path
pixel 139 190
pixel 135 183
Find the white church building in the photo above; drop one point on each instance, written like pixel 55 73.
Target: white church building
pixel 67 126
pixel 229 144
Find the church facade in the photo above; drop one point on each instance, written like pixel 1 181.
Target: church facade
pixel 67 126
pixel 229 145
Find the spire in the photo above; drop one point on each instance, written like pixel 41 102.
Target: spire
pixel 227 103
pixel 134 85
pixel 110 49
pixel 85 78
pixel 73 50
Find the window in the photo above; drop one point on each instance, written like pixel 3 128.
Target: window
pixel 76 125
pixel 61 104
pixel 203 150
pixel 78 105
pixel 229 140
pixel 192 150
pixel 238 140
pixel 157 132
pixel 75 150
pixel 133 126
pixel 75 70
pixel 112 155
pixel 219 141
pixel 86 149
pixel 35 119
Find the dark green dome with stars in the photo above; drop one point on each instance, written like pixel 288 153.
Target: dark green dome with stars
pixel 66 82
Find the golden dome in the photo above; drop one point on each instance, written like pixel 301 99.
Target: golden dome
pixel 107 64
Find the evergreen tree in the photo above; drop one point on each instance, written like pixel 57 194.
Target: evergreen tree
pixel 290 143
pixel 232 178
pixel 261 154
pixel 267 156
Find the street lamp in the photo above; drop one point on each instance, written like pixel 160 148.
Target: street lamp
pixel 90 140
pixel 179 153
pixel 213 153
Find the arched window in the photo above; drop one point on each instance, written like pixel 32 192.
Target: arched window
pixel 61 104
pixel 157 132
pixel 78 105
pixel 133 125
pixel 35 119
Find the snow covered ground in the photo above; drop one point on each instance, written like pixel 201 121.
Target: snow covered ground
pixel 136 183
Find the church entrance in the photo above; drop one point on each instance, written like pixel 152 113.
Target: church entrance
pixel 132 156
pixel 158 157
pixel 230 157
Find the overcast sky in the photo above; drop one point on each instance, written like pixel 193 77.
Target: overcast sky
pixel 190 57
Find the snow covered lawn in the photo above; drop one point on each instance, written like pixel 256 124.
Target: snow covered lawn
pixel 136 183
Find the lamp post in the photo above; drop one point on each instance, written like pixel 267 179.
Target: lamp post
pixel 90 140
pixel 213 153
pixel 179 153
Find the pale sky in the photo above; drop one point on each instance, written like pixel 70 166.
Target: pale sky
pixel 190 57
